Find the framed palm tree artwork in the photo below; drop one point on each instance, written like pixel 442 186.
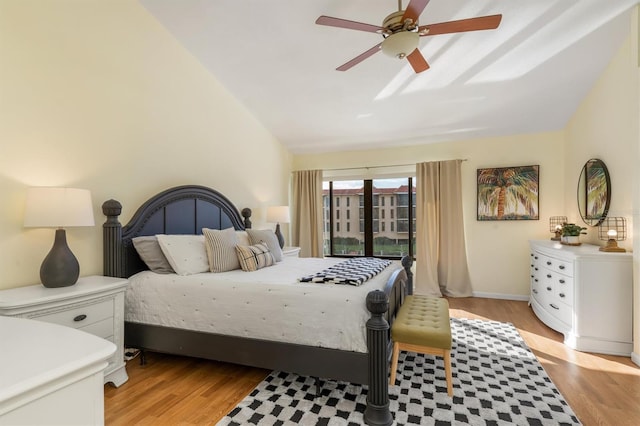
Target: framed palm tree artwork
pixel 508 193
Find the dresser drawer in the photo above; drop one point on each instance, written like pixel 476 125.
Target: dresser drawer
pixel 563 290
pixel 557 265
pixel 83 316
pixel 560 311
pixel 538 291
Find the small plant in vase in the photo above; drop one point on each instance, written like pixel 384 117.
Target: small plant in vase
pixel 571 233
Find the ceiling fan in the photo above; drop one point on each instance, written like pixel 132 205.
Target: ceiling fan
pixel 401 32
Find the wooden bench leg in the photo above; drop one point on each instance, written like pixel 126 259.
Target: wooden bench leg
pixel 394 363
pixel 447 370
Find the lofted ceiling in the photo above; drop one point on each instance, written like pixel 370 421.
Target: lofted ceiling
pixel 528 75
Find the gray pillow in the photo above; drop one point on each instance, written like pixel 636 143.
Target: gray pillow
pixel 268 237
pixel 151 254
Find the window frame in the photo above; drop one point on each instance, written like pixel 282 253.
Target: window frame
pixel 366 205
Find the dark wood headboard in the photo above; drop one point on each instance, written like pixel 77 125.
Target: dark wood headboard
pixel 179 210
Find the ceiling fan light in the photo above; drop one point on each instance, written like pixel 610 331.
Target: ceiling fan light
pixel 401 44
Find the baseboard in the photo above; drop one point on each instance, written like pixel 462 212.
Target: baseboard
pixel 635 358
pixel 501 296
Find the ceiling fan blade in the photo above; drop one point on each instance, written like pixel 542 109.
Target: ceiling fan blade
pixel 414 9
pixel 417 61
pixel 350 25
pixel 472 24
pixel 361 57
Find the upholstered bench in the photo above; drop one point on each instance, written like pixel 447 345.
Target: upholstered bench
pixel 422 326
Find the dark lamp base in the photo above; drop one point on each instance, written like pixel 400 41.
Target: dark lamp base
pixel 279 235
pixel 60 268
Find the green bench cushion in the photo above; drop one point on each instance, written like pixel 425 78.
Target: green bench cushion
pixel 423 321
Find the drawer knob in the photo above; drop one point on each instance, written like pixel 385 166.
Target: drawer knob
pixel 548 275
pixel 535 257
pixel 534 291
pixel 548 263
pixel 548 288
pixel 561 281
pixel 561 266
pixel 554 306
pixel 80 318
pixel 561 295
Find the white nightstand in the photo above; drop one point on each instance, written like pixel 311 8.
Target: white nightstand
pixel 291 251
pixel 94 304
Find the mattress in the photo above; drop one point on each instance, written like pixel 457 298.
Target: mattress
pixel 267 304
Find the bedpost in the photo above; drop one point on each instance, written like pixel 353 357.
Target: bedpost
pixel 407 262
pixel 112 239
pixel 246 213
pixel 377 411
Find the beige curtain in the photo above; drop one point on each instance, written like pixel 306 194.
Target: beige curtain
pixel 306 221
pixel 441 258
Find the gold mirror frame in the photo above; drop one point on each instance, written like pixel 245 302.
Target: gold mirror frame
pixel 594 192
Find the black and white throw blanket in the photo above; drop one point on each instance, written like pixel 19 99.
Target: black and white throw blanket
pixel 354 271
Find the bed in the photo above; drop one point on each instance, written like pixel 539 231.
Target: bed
pixel 185 210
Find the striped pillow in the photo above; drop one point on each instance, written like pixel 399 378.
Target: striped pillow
pixel 221 245
pixel 254 257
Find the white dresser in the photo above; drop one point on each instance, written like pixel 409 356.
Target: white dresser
pixel 95 304
pixel 51 375
pixel 585 294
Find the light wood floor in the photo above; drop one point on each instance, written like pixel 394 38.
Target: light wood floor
pixel 169 390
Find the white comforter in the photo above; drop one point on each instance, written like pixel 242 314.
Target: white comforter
pixel 266 304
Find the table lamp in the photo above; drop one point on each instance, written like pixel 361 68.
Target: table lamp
pixel 58 208
pixel 555 226
pixel 611 230
pixel 277 215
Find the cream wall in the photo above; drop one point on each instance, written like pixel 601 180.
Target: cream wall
pixel 497 252
pixel 607 126
pixel 98 95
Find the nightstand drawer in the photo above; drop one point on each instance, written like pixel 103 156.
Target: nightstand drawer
pixel 102 328
pixel 82 316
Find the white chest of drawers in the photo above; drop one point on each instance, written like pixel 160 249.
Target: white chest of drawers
pixel 94 304
pixel 585 294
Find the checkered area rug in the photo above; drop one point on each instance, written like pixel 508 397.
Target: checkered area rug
pixel 497 380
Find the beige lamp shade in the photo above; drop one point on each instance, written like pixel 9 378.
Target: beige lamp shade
pixel 278 214
pixel 48 207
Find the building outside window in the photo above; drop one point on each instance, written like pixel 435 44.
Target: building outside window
pixel 370 237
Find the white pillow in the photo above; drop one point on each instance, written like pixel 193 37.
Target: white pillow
pixel 267 236
pixel 243 238
pixel 186 253
pixel 221 249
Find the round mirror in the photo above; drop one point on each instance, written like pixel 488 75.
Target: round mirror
pixel 594 192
